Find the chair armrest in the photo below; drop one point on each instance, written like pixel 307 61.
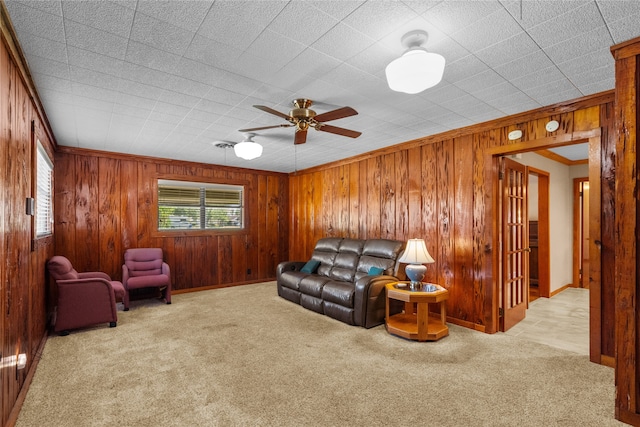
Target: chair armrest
pixel 94 275
pixel 125 275
pixel 289 266
pixel 165 269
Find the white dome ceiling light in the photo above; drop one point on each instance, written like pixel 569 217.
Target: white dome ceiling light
pixel 248 149
pixel 416 70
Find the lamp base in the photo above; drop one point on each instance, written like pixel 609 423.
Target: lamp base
pixel 415 273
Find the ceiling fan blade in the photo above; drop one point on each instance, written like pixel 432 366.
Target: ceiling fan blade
pixel 336 114
pixel 339 131
pixel 301 137
pixel 272 111
pixel 265 127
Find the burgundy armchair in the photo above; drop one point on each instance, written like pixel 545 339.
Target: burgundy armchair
pixel 84 299
pixel 145 268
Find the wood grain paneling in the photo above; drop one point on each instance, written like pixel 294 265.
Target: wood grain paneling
pixel 24 292
pixel 440 188
pixel 108 202
pixel 627 210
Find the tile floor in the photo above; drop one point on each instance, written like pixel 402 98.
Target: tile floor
pixel 561 321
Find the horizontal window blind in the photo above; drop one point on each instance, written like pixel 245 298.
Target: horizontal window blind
pixel 44 197
pixel 200 206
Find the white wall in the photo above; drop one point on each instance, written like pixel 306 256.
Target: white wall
pixel 560 213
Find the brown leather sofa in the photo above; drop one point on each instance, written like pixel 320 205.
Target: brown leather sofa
pixel 344 279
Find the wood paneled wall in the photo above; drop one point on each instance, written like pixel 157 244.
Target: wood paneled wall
pixel 442 188
pixel 24 296
pixel 627 218
pixel 106 203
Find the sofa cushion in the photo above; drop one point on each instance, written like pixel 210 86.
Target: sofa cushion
pixel 291 279
pixel 346 261
pixel 312 285
pixel 340 293
pixel 325 251
pixel 376 271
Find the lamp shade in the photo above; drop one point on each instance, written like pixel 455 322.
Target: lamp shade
pixel 248 150
pixel 415 71
pixel 416 253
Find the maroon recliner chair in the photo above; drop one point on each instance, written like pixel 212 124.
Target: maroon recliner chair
pixel 84 299
pixel 145 268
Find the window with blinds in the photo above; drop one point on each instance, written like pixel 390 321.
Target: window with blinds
pixel 44 194
pixel 199 206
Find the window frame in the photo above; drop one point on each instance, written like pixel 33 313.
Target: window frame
pixel 41 151
pixel 198 182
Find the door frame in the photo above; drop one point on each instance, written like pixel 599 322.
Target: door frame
pixel 544 241
pixel 491 159
pixel 578 223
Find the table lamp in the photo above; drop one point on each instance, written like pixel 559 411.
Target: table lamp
pixel 415 255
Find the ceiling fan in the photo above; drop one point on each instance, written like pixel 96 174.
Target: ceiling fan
pixel 302 117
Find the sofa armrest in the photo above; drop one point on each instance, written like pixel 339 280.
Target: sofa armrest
pixel 370 300
pixel 289 266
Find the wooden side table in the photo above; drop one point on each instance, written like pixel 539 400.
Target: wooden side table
pixel 414 322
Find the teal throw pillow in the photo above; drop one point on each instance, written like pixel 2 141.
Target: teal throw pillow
pixel 310 267
pixel 375 271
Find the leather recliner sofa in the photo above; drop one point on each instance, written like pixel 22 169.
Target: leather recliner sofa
pixel 344 279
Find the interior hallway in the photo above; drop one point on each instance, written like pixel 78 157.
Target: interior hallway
pixel 561 321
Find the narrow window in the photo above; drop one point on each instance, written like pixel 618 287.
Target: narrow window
pixel 44 196
pixel 199 206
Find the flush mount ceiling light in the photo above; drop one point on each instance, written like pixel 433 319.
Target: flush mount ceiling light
pixel 248 149
pixel 417 69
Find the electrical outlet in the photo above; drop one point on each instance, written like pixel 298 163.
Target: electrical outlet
pixel 248 271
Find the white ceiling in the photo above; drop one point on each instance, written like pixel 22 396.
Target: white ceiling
pixel 169 78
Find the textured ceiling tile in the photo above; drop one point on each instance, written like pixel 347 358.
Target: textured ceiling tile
pixel 532 13
pixel 297 23
pixel 596 39
pixel 94 78
pixel 52 7
pixel 184 14
pixel 332 43
pixel 51 82
pixel 44 48
pixel 480 81
pixel 36 22
pixel 526 65
pixel 488 31
pixel 99 93
pixel 581 64
pixel 211 52
pixel 102 15
pixel 463 69
pixel 451 16
pixel 149 57
pixel 98 41
pixel 141 90
pixel 365 18
pixel 161 35
pixel 508 50
pixel 275 48
pixel 94 61
pixel 49 67
pixel 565 26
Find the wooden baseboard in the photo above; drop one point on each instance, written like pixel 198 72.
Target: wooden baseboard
pixel 17 406
pixel 226 285
pixel 466 324
pixel 557 291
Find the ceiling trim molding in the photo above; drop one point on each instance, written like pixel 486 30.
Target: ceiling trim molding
pixel 561 159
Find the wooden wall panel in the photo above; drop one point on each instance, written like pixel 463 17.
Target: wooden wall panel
pixel 440 188
pixel 24 290
pixel 114 207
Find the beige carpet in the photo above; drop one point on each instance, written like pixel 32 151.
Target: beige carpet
pixel 243 356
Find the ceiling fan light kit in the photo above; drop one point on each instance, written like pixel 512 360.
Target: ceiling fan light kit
pixel 416 70
pixel 248 149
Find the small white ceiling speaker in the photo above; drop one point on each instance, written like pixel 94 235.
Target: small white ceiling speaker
pixel 515 134
pixel 552 126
